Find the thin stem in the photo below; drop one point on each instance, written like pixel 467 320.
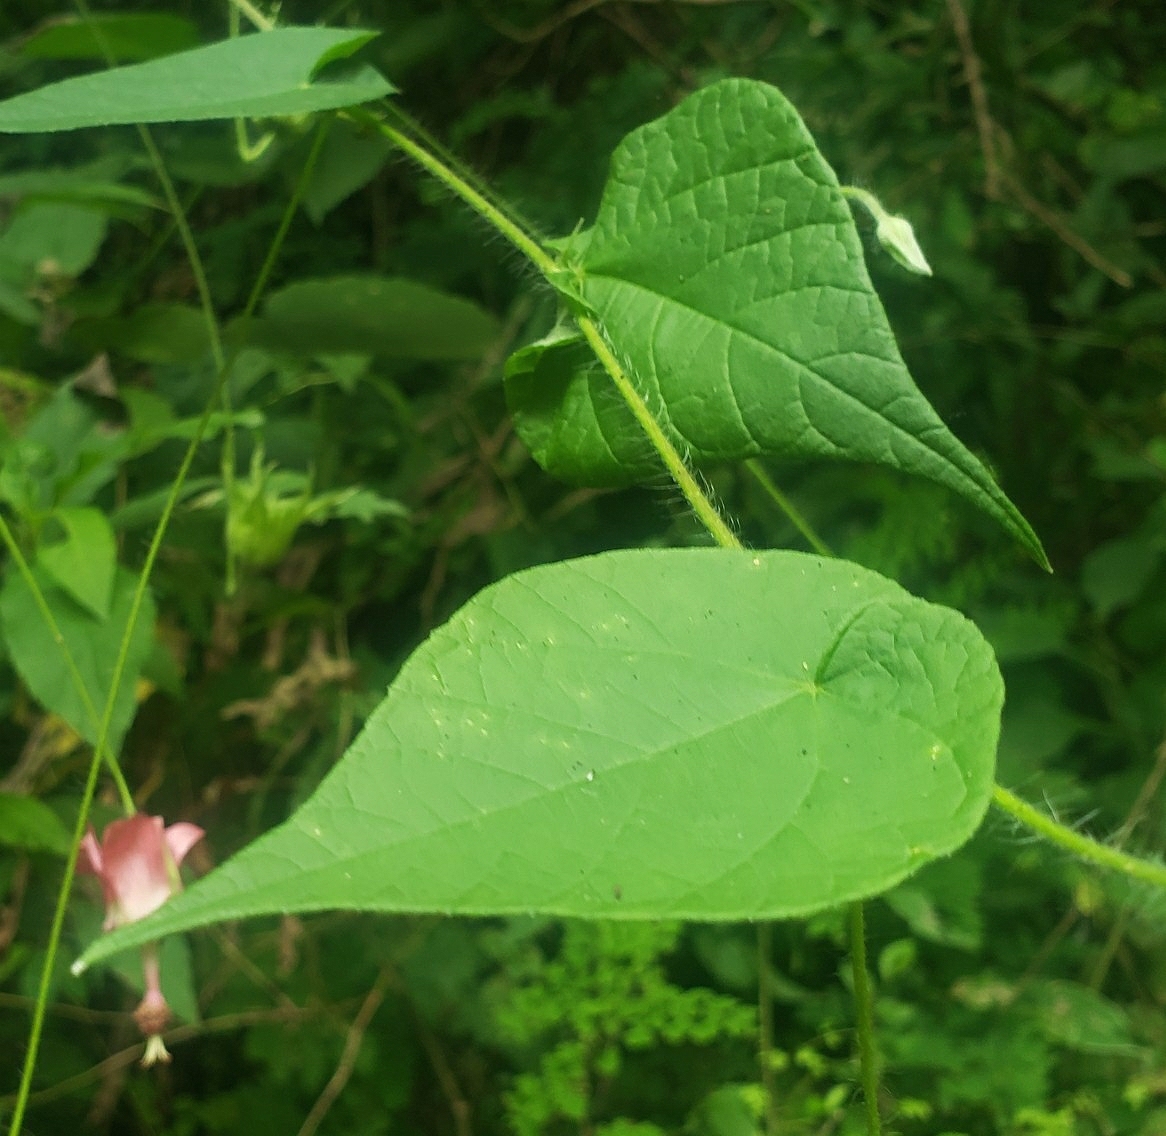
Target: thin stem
pixel 54 941
pixel 257 18
pixel 788 508
pixel 106 754
pixel 705 510
pixel 460 187
pixel 1090 850
pixel 40 1008
pixel 864 1016
pixel 765 1024
pixel 864 197
pixel 526 244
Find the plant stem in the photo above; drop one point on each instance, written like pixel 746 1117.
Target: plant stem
pixel 257 18
pixel 788 507
pixel 123 790
pixel 40 1008
pixel 460 187
pixel 1147 871
pixel 701 505
pixel 54 941
pixel 705 510
pixel 864 1015
pixel 765 1024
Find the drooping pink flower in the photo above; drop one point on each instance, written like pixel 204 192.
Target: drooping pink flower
pixel 137 862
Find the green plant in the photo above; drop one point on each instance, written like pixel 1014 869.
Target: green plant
pixel 570 730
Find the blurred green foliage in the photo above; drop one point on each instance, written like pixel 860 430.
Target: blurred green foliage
pixel 1018 992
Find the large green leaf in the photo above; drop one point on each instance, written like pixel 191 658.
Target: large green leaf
pixel 93 642
pixel 654 733
pixel 253 76
pixel 726 271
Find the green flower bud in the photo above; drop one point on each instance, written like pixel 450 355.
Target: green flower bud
pixel 894 233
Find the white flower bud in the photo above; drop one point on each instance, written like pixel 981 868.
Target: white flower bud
pixel 894 233
pixel 898 238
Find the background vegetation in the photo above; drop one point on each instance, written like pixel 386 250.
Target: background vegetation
pixel 1018 992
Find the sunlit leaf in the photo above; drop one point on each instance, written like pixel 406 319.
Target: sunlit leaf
pixel 650 734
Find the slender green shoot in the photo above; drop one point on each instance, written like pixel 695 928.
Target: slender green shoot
pixel 1087 849
pixel 864 1015
pixel 791 511
pixel 40 1008
pixel 476 199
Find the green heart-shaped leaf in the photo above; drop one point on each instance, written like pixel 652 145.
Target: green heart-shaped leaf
pixel 727 273
pixel 657 733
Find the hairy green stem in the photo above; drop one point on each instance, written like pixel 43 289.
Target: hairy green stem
pixel 705 510
pixel 864 1017
pixel 788 508
pixel 105 753
pixel 552 269
pixel 460 187
pixel 1147 871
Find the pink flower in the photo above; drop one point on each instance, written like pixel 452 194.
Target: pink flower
pixel 137 863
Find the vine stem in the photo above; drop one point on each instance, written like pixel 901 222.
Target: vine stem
pixel 552 269
pixel 705 510
pixel 792 512
pixel 864 1015
pixel 40 1008
pixel 1147 871
pixel 765 1025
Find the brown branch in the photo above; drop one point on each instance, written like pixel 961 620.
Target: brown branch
pixel 349 1054
pixel 996 177
pixel 459 1107
pixel 974 75
pixel 1061 229
pixel 172 1037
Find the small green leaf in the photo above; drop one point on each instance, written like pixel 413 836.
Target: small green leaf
pixel 30 824
pixel 93 642
pixel 348 161
pixel 726 271
pixel 84 562
pixel 648 734
pixel 1077 1017
pixel 54 238
pixel 378 315
pixel 253 76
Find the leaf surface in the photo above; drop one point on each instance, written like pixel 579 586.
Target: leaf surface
pixel 252 76
pixel 84 562
pixel 93 642
pixel 649 734
pixel 380 315
pixel 30 824
pixel 726 271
